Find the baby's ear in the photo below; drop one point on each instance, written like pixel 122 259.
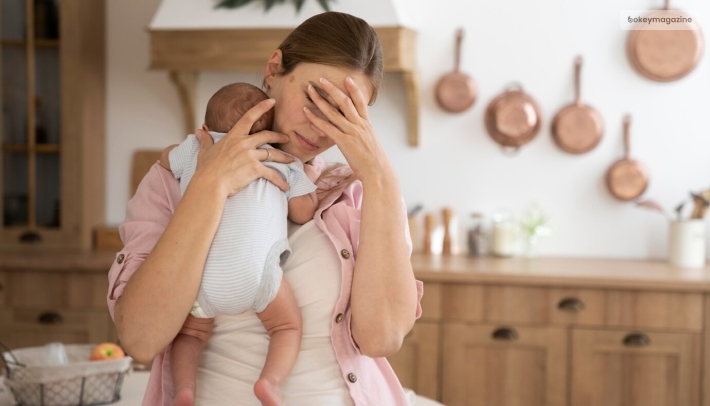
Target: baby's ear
pixel 204 127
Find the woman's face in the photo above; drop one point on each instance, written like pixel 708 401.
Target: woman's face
pixel 290 92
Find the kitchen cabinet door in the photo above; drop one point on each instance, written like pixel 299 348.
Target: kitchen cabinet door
pixel 35 327
pixel 632 368
pixel 504 365
pixel 416 363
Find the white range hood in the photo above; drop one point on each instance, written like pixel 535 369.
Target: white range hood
pixel 189 36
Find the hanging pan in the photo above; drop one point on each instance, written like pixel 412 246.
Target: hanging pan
pixel 577 128
pixel 456 91
pixel 665 52
pixel 627 179
pixel 513 118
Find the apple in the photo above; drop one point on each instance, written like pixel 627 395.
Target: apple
pixel 106 351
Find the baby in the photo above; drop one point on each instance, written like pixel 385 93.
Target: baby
pixel 243 270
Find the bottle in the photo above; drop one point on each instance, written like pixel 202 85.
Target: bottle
pixel 477 237
pixel 503 235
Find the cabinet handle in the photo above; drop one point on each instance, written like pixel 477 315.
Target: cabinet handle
pixel 571 304
pixel 505 334
pixel 637 340
pixel 50 318
pixel 30 237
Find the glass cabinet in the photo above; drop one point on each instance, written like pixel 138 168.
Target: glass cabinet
pixel 52 126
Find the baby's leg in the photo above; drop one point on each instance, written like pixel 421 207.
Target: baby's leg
pixel 282 319
pixel 185 356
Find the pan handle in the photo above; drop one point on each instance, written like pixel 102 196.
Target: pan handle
pixel 577 80
pixel 627 137
pixel 510 151
pixel 459 43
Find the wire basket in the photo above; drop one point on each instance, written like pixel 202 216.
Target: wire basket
pixel 80 383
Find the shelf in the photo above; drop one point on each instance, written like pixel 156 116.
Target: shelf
pixel 40 148
pixel 39 43
pixel 183 52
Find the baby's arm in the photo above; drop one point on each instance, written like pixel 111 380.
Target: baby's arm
pixel 302 208
pixel 164 156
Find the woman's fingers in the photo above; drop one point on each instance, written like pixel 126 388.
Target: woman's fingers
pixel 357 97
pixel 274 177
pixel 274 155
pixel 330 112
pixel 343 101
pixel 243 126
pixel 324 127
pixel 265 137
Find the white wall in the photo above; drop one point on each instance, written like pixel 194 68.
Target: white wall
pixel 457 164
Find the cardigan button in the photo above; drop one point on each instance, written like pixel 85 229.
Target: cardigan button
pixel 120 258
pixel 345 254
pixel 352 377
pixel 339 318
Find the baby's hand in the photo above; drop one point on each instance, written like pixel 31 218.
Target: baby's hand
pixel 311 172
pixel 164 156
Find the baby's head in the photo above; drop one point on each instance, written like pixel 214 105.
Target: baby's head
pixel 230 103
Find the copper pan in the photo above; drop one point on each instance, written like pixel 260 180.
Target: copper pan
pixel 665 55
pixel 577 128
pixel 627 178
pixel 456 92
pixel 513 118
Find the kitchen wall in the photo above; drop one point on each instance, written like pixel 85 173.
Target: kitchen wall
pixel 456 163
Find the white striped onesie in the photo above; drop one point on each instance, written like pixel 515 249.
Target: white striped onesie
pixel 243 265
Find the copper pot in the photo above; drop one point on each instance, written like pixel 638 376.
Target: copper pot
pixel 627 178
pixel 668 54
pixel 577 128
pixel 456 91
pixel 513 118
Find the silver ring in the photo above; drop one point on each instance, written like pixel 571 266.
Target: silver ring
pixel 268 155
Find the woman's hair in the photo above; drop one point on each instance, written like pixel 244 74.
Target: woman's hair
pixel 340 40
pixel 335 39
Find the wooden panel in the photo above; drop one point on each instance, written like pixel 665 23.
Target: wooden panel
pixel 706 354
pixel 249 49
pixel 141 164
pixel 616 308
pixel 431 302
pixel 541 306
pixel 605 372
pixel 21 328
pixel 50 290
pixel 108 239
pixel 417 362
pixel 3 289
pixel 530 370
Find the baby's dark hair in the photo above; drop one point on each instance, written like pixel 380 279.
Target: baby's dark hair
pixel 230 103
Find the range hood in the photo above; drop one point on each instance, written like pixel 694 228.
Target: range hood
pixel 189 36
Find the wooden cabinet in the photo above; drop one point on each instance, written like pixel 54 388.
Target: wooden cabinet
pixel 54 297
pixel 573 332
pixel 417 362
pixel 52 128
pixel 504 365
pixel 634 368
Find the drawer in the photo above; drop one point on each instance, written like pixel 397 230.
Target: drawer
pixel 23 289
pixel 583 307
pixel 34 327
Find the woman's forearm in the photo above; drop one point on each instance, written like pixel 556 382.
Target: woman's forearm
pixel 384 292
pixel 159 295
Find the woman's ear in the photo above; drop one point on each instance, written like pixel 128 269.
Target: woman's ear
pixel 273 67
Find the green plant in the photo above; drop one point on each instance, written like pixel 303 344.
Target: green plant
pixel 270 3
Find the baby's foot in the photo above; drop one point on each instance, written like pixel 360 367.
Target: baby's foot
pixel 268 393
pixel 184 397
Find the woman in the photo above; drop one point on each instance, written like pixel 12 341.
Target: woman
pixel 349 269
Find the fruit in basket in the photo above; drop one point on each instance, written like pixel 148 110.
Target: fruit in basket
pixel 106 351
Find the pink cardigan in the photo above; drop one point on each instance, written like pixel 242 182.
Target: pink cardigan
pixel 371 381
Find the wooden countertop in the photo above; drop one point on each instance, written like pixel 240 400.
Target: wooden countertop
pixel 59 261
pixel 570 272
